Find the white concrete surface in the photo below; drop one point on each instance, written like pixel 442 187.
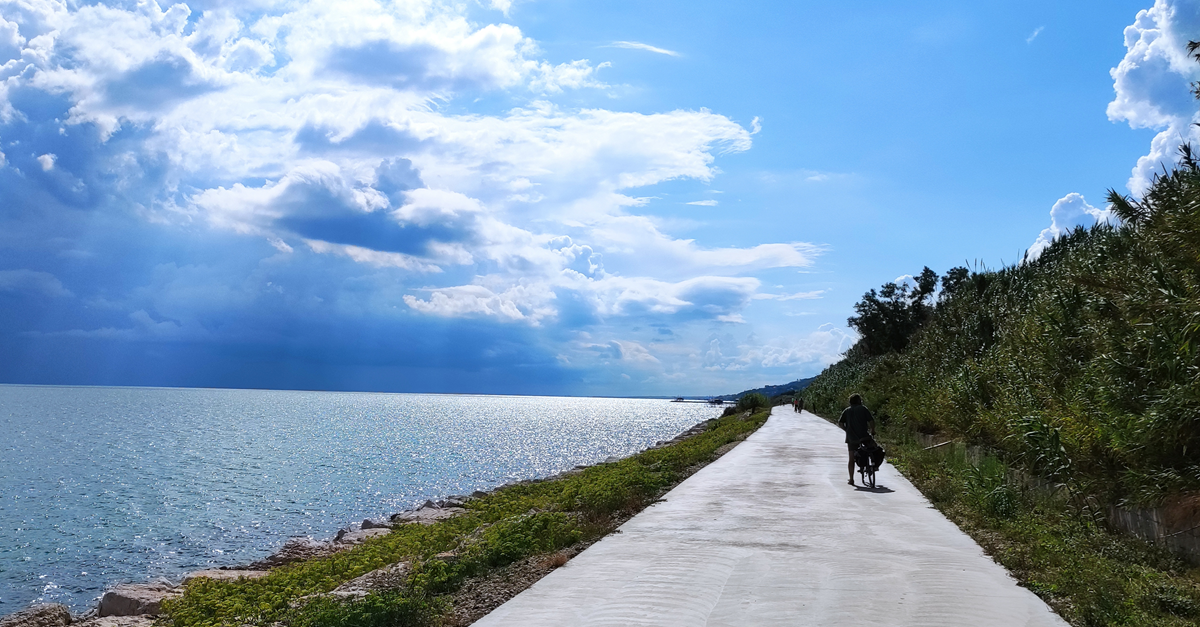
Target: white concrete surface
pixel 771 534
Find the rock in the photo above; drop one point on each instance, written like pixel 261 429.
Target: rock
pixel 220 574
pixel 360 536
pixel 450 557
pixel 427 505
pixel 117 621
pixel 725 448
pixel 136 599
pixel 427 516
pixel 386 578
pixel 49 615
pixel 367 523
pixel 296 550
pixel 478 494
pixel 453 501
pixel 612 460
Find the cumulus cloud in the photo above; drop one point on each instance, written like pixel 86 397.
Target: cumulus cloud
pixel 519 302
pixel 1152 83
pixel 324 162
pixel 1068 212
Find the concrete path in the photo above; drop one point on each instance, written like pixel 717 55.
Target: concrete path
pixel 770 534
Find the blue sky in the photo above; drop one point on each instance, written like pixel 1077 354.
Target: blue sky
pixel 543 196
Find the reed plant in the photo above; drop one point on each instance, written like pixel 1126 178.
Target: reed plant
pixel 1082 364
pixel 1078 370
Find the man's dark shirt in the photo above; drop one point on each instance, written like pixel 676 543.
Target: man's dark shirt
pixel 854 420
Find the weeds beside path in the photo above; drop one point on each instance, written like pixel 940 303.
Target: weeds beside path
pixel 1088 574
pixel 508 526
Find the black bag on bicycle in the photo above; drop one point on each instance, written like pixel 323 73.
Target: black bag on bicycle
pixel 869 453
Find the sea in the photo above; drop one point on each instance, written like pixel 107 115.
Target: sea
pixel 104 485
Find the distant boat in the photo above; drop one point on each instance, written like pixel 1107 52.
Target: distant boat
pixel 678 399
pixel 715 401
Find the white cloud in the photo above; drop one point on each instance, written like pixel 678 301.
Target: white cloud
pixel 813 295
pixel 704 203
pixel 1067 213
pixel 1152 83
pixel 47 161
pixel 637 45
pixel 42 283
pixel 321 129
pixel 362 255
pixel 1037 31
pixel 756 125
pixel 624 350
pixel 817 349
pixel 520 302
pixel 823 346
pixel 501 5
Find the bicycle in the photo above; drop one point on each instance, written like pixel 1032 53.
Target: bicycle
pixel 868 457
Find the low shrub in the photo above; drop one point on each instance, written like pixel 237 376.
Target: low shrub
pixel 752 402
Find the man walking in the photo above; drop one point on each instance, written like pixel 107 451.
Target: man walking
pixel 859 425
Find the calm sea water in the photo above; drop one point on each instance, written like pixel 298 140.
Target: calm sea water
pixel 105 485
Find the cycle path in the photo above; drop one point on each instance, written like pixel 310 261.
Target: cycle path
pixel 771 534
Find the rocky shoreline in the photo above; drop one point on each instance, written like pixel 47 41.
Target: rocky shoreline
pixel 140 604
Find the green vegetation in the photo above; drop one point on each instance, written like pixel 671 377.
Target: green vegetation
pixel 507 525
pixel 752 402
pixel 1077 373
pixel 1089 575
pixel 1083 365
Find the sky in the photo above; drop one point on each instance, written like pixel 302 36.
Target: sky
pixel 540 196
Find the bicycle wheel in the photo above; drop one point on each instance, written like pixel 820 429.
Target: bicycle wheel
pixel 869 476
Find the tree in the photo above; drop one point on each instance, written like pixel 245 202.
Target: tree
pixel 752 401
pixel 885 319
pixel 955 279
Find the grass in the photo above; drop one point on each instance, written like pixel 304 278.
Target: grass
pixel 1089 575
pixel 509 524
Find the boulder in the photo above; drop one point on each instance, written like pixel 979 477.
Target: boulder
pixel 117 621
pixel 386 578
pixel 358 537
pixel 427 516
pixel 49 615
pixel 220 574
pixel 478 494
pixel 454 500
pixel 296 550
pixel 367 523
pixel 136 599
pixel 450 557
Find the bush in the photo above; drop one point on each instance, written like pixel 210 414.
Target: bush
pixel 752 402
